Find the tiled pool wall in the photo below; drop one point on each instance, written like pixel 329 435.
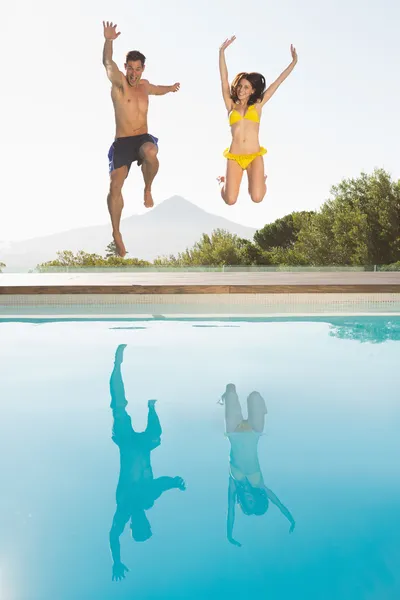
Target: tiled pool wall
pixel 81 305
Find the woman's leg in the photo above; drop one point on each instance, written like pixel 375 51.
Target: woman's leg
pixel 231 182
pixel 233 411
pixel 256 411
pixel 256 177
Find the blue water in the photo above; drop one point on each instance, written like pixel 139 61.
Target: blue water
pixel 330 453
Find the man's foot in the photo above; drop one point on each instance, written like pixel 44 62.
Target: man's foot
pixel 151 403
pixel 119 244
pixel 119 353
pixel 148 199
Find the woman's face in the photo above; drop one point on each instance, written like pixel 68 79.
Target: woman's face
pixel 244 90
pixel 249 500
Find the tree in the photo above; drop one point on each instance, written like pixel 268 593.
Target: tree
pixel 393 267
pixel 218 249
pixel 283 232
pixel 360 225
pixel 111 250
pixel 289 257
pixel 67 259
pixel 252 254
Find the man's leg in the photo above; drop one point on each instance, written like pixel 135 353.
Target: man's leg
pixel 122 426
pixel 148 155
pixel 153 429
pixel 115 204
pixel 117 389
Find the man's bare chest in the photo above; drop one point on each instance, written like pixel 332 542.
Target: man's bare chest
pixel 132 100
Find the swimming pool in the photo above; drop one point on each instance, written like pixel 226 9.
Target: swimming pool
pixel 329 451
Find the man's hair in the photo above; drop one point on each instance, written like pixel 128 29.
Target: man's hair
pixel 135 55
pixel 140 526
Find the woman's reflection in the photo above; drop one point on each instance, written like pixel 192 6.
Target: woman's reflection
pixel 137 489
pixel 246 484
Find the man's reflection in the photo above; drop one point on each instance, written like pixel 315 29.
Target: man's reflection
pixel 137 489
pixel 246 484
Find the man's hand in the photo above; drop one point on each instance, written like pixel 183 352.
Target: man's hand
pixel 119 571
pixel 293 53
pixel 227 43
pixel 110 32
pixel 175 87
pixel 180 484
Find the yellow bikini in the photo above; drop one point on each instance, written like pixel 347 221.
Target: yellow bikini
pixel 244 159
pixel 251 115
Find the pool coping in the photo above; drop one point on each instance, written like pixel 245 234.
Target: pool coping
pixel 199 283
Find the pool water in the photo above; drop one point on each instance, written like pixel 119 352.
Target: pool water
pixel 329 452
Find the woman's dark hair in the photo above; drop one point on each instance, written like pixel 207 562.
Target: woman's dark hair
pixel 260 500
pixel 257 82
pixel 135 55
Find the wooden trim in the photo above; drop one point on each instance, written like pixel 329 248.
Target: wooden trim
pixel 388 288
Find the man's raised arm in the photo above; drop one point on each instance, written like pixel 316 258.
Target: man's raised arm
pixel 113 73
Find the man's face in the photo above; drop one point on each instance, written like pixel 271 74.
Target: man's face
pixel 134 71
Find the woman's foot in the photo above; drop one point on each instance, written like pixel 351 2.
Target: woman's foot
pixel 230 389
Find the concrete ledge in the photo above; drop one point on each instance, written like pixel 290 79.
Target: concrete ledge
pixel 200 283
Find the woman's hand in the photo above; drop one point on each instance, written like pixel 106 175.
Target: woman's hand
pixel 227 43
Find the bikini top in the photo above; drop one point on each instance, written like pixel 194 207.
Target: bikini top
pixel 251 115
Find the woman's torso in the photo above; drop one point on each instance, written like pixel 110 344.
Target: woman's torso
pixel 245 129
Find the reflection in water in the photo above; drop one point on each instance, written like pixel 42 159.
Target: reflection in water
pixel 246 484
pixel 137 489
pixel 374 330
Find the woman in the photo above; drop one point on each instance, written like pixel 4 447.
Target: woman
pixel 246 484
pixel 244 101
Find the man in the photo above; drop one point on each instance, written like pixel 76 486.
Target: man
pixel 137 488
pixel 130 95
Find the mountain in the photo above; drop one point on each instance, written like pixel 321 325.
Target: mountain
pixel 169 228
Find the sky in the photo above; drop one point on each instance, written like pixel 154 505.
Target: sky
pixel 334 117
